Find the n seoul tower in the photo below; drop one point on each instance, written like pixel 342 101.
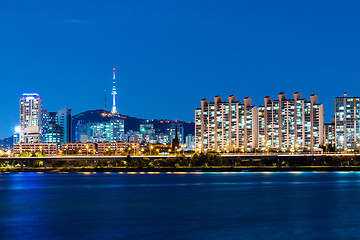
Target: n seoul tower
pixel 113 110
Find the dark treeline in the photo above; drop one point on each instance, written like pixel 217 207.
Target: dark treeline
pixel 205 160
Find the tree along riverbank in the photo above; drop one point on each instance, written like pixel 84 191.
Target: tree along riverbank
pixel 198 161
pixel 188 169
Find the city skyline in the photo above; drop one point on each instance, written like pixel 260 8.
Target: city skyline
pixel 326 121
pixel 198 50
pixel 183 119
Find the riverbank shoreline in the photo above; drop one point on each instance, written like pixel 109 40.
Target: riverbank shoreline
pixel 190 170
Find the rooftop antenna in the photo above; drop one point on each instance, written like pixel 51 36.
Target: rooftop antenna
pixel 105 101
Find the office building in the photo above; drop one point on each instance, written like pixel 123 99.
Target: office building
pixel 81 132
pixel 64 123
pixel 162 138
pixel 110 131
pixel 147 131
pixel 50 128
pixel 171 132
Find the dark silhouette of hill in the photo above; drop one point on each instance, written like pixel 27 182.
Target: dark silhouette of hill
pixel 130 123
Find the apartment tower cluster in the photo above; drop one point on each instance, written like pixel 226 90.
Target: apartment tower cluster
pixel 279 125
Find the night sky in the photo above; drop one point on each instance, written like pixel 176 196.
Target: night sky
pixel 171 54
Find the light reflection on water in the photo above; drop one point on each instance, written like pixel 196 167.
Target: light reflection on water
pixel 268 205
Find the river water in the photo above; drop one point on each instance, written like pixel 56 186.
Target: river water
pixel 292 206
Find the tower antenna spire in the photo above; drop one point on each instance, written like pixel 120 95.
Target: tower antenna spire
pixel 105 101
pixel 113 110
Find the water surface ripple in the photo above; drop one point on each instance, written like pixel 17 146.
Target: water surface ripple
pixel 247 205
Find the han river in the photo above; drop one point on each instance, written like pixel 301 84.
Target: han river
pixel 294 205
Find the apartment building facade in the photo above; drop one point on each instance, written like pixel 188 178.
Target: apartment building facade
pixel 279 125
pixel 347 123
pixel 226 125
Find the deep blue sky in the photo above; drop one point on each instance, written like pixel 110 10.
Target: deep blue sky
pixel 171 54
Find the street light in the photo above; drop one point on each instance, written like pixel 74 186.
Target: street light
pixel 133 146
pixel 183 147
pixel 151 147
pixel 87 149
pixel 108 150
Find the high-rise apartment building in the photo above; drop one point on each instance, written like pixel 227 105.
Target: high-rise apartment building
pixel 280 125
pixel 347 123
pixel 226 125
pixel 291 124
pixel 30 117
pixel 329 134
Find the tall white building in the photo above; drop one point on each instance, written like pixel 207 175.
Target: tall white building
pixel 226 125
pixel 347 123
pixel 190 142
pixel 30 117
pixel 280 125
pixel 291 124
